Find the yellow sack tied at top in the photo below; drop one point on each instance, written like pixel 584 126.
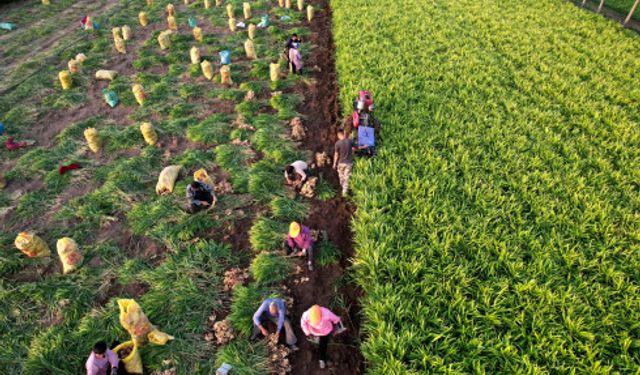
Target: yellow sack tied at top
pixel 143 18
pixel 274 71
pixel 32 245
pixel 225 75
pixel 93 139
pixel 287 4
pixel 137 324
pixel 106 75
pixel 132 362
pixel 301 5
pixel 149 133
pixel 230 10
pixel 170 10
pixel 164 39
pixel 167 179
pixel 232 24
pixel 207 4
pixel 201 175
pixel 280 3
pixel 207 69
pixel 138 92
pixel 250 49
pixel 116 32
pixel 126 32
pixel 197 34
pixel 171 22
pixel 194 53
pixel 246 9
pixel 310 12
pixel 69 254
pixel 74 66
pixel 119 44
pixel 252 31
pixel 65 79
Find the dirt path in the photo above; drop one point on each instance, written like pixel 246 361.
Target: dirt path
pixel 326 284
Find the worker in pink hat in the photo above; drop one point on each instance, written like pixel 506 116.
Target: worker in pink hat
pixel 319 322
pixel 300 242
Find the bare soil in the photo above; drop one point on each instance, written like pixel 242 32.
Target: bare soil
pixel 321 116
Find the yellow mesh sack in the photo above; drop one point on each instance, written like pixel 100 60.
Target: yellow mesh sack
pixel 158 337
pixel 117 33
pixel 287 4
pixel 93 139
pixel 119 44
pixel 274 71
pixel 207 4
pixel 194 53
pixel 134 320
pixel 252 31
pixel 301 5
pixel 138 92
pixel 197 34
pixel 310 12
pixel 106 75
pixel 207 69
pixel 164 39
pixel 201 175
pixel 149 133
pixel 167 179
pixel 69 254
pixel 246 9
pixel 143 18
pixel 170 10
pixel 65 79
pixel 281 3
pixel 232 24
pixel 250 49
pixel 132 362
pixel 171 22
pixel 225 75
pixel 74 66
pixel 230 10
pixel 126 32
pixel 32 245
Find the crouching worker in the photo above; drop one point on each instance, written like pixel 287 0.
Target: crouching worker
pixel 274 310
pixel 200 197
pixel 102 361
pixel 317 324
pixel 300 242
pixel 295 174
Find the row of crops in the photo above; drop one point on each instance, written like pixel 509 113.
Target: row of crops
pixel 498 229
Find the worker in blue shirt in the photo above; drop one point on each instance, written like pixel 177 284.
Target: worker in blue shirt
pixel 274 310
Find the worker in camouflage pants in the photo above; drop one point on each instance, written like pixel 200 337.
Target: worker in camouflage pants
pixel 343 160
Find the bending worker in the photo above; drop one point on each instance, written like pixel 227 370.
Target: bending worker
pixel 295 173
pixel 274 310
pixel 319 322
pixel 299 238
pixel 200 196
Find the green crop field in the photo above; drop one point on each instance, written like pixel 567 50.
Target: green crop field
pixel 498 229
pixel 135 243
